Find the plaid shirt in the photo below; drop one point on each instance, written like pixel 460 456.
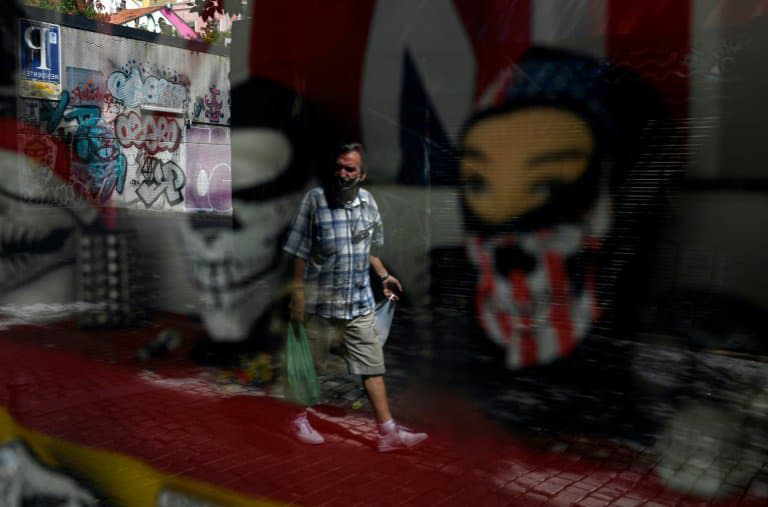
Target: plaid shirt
pixel 336 243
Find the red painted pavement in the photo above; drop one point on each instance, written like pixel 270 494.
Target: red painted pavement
pixel 85 387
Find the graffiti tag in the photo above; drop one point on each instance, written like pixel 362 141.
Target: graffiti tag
pixel 152 133
pixel 209 172
pixel 85 86
pixel 87 94
pixel 98 167
pixel 160 179
pixel 133 91
pixel 213 105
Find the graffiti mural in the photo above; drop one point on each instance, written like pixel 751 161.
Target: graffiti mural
pixel 520 174
pixel 85 86
pixel 149 133
pixel 128 126
pixel 236 264
pixel 209 172
pixel 98 164
pixel 558 182
pixel 97 167
pixel 116 133
pixel 133 90
pixel 211 106
pixel 158 179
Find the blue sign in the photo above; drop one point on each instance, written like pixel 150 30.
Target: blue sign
pixel 40 54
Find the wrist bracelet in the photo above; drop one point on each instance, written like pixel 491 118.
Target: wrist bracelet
pixel 384 278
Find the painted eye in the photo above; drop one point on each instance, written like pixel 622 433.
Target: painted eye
pixel 475 184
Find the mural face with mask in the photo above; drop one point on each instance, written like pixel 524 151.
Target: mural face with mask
pixel 538 172
pixel 513 162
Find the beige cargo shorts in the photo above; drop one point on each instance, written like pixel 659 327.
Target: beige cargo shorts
pixel 355 339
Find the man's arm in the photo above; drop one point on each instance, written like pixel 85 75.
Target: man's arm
pixel 299 245
pixel 390 282
pixel 297 290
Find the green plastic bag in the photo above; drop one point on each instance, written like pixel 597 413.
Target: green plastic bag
pixel 302 383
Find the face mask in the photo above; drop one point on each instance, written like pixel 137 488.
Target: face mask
pixel 347 183
pixel 535 294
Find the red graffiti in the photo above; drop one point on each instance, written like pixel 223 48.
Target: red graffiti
pixel 153 133
pixel 86 94
pixel 109 100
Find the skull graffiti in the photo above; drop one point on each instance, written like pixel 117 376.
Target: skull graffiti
pixel 236 264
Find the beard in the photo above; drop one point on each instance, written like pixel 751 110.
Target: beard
pixel 347 184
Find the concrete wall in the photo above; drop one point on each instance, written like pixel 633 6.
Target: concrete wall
pixel 141 127
pixel 134 115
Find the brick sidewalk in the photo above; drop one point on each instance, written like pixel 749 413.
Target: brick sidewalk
pixel 180 420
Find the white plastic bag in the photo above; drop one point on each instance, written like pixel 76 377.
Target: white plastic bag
pixel 382 319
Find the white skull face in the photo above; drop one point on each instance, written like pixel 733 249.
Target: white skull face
pixel 39 216
pixel 237 265
pixel 531 297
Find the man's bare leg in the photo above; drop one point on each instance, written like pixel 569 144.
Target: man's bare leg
pixel 377 393
pixel 391 436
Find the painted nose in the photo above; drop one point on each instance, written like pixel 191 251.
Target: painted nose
pixel 199 221
pixel 211 227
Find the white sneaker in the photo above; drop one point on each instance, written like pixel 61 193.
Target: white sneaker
pixel 400 438
pixel 304 432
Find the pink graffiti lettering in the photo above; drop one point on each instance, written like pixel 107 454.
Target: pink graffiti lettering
pixel 210 189
pixel 153 133
pixel 212 105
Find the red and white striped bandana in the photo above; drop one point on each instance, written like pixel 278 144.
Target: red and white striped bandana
pixel 536 315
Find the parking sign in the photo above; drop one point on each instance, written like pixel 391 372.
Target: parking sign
pixel 40 58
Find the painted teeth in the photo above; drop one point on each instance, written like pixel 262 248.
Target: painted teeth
pixel 220 300
pixel 15 263
pixel 14 234
pixel 17 268
pixel 226 273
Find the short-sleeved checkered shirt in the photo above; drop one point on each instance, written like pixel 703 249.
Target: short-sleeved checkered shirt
pixel 336 243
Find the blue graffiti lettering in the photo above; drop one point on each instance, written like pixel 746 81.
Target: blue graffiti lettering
pixel 133 91
pixel 98 166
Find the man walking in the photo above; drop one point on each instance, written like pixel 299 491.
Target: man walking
pixel 334 239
